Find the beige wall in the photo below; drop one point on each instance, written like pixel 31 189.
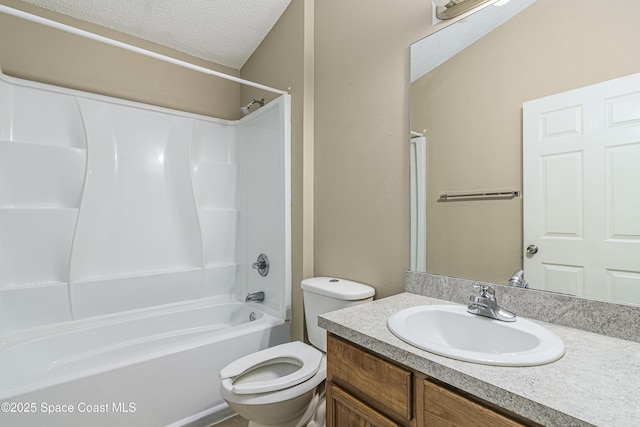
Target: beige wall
pixel 32 51
pixel 350 135
pixel 471 110
pixel 361 138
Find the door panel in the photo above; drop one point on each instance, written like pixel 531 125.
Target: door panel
pixel 581 190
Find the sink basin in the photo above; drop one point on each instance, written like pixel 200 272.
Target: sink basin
pixel 448 330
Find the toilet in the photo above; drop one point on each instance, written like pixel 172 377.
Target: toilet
pixel 284 385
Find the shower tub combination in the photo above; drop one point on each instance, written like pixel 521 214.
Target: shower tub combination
pixel 127 234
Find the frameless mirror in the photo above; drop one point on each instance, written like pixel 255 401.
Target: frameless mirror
pixel 467 124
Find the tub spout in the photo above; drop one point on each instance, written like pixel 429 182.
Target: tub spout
pixel 255 297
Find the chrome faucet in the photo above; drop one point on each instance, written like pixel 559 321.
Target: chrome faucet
pixel 518 280
pixel 255 297
pixel 486 305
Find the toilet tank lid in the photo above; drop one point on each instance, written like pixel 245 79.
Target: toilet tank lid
pixel 337 288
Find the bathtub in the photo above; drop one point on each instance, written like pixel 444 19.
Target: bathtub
pixel 155 367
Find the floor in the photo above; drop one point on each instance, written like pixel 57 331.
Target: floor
pixel 236 421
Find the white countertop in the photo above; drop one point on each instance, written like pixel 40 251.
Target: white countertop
pixel 596 382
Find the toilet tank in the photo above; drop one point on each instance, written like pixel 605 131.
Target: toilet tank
pixel 325 294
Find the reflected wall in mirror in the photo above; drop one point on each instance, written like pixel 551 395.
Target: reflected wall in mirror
pixel 469 108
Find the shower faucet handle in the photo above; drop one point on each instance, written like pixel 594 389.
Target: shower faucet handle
pixel 262 265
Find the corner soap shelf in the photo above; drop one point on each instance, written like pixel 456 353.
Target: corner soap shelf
pixel 39 176
pixel 214 162
pixel 42 167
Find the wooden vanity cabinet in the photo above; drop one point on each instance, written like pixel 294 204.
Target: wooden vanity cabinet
pixel 445 407
pixel 364 386
pixel 364 389
pixel 345 410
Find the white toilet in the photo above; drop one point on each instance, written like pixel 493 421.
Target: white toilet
pixel 284 385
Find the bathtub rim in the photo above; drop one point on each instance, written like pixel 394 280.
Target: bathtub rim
pixel 68 326
pixel 265 321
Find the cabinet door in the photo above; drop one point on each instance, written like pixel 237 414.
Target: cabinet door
pixel 443 407
pixel 344 410
pixel 381 384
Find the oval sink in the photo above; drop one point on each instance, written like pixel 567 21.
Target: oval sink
pixel 451 331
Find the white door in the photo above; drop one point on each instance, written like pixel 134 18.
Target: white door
pixel 581 191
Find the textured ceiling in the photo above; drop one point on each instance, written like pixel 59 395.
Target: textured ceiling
pixel 226 32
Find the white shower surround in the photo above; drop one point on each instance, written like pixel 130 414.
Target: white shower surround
pixel 108 205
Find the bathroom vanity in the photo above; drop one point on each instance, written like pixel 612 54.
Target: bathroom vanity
pixel 366 389
pixel 374 378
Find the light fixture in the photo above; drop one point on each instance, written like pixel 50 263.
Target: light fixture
pixel 452 8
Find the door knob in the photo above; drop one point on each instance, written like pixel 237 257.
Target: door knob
pixel 532 249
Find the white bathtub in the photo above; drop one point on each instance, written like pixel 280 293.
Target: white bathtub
pixel 144 368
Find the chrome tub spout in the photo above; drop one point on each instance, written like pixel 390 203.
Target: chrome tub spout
pixel 255 297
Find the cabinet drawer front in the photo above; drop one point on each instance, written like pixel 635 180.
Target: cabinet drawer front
pixel 346 410
pixel 442 407
pixel 376 381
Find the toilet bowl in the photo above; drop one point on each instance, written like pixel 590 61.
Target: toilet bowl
pixel 284 385
pixel 275 386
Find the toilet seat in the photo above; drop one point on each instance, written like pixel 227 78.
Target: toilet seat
pixel 275 397
pixel 297 353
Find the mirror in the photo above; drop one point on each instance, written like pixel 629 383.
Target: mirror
pixel 469 109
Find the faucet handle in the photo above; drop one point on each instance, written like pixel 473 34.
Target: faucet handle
pixel 486 291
